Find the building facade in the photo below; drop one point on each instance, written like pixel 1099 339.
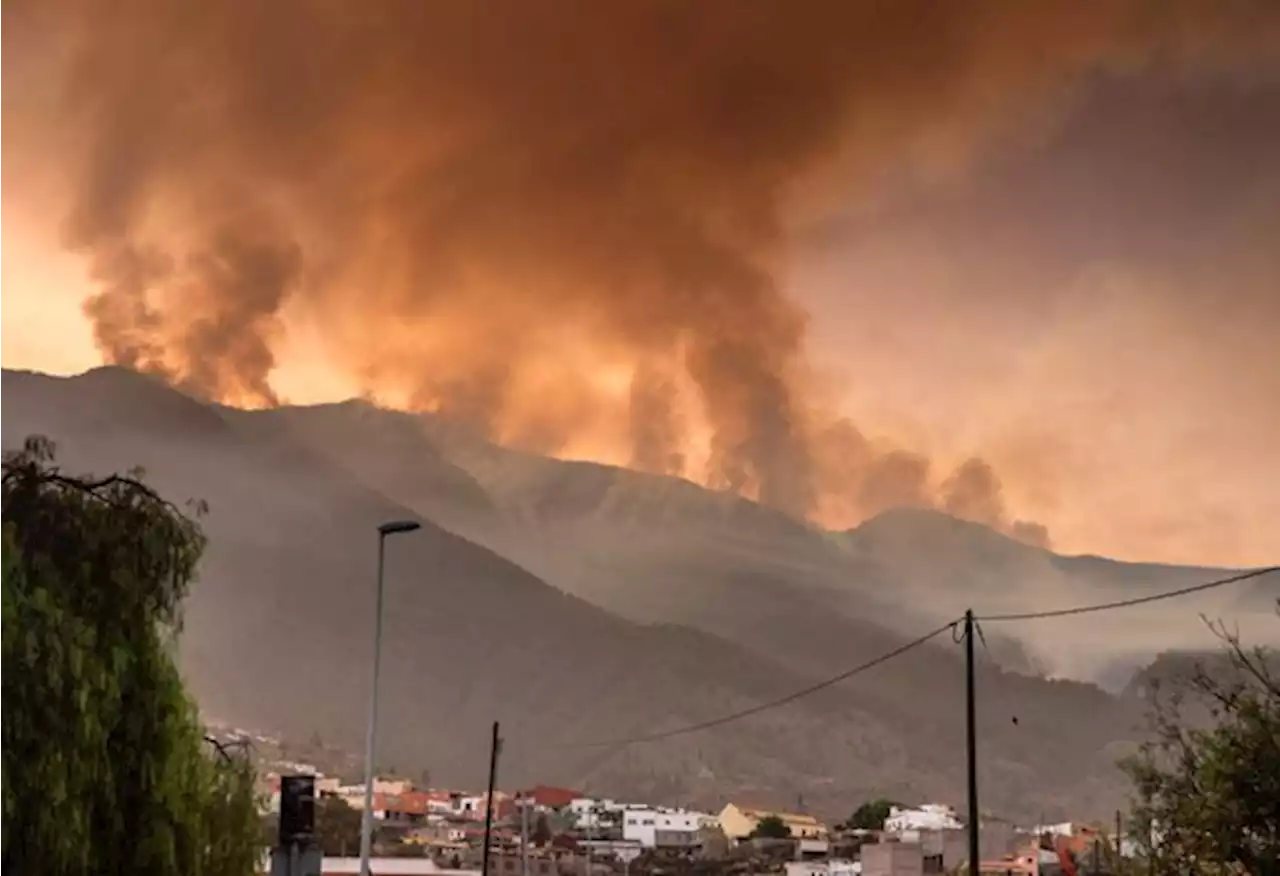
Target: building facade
pixel 738 823
pixel 663 828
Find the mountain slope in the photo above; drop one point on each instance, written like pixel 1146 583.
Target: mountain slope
pixel 278 628
pixel 954 564
pixel 662 549
pixel 654 549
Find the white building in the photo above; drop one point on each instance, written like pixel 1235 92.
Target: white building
pixel 667 827
pixel 593 814
pixel 1064 828
pixel 930 816
pixel 833 867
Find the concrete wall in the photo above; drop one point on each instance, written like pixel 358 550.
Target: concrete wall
pixel 892 859
pixel 994 842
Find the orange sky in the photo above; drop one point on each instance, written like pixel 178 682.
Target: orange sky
pixel 1087 423
pixel 1090 306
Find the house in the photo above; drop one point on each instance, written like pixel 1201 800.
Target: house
pixel 473 806
pixel 439 803
pixel 411 807
pixel 621 850
pixel 664 828
pixel 930 816
pixel 832 867
pixel 592 814
pixel 946 851
pixel 738 823
pixel 548 797
pixel 892 859
pixel 399 866
pixel 354 794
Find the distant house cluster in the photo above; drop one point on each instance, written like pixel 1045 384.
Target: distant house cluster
pixel 554 831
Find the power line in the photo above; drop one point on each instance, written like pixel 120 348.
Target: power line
pixel 914 643
pixel 1137 600
pixel 772 704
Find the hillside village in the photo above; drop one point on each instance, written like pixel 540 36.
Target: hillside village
pixel 551 831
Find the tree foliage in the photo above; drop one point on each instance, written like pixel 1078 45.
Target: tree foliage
pixel 337 826
pixel 1207 792
pixel 771 827
pixel 106 766
pixel 541 831
pixel 871 815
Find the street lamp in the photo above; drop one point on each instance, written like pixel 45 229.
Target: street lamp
pixel 391 527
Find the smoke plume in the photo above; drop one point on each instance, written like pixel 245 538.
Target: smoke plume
pixel 487 210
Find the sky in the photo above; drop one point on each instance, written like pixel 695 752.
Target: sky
pixel 1042 240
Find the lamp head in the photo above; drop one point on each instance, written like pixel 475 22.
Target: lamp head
pixel 391 527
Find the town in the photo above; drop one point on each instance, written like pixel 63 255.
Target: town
pixel 552 831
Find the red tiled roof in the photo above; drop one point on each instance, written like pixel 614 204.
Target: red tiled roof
pixel 409 803
pixel 546 795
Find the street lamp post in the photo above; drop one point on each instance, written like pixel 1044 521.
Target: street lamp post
pixel 366 819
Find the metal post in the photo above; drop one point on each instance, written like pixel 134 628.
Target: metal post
pixel 391 527
pixel 366 817
pixel 971 745
pixel 524 836
pixel 494 745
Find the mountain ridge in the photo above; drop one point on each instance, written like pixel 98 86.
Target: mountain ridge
pixel 543 597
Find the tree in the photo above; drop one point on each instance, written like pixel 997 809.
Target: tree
pixel 771 827
pixel 1207 793
pixel 337 826
pixel 106 765
pixel 541 831
pixel 871 815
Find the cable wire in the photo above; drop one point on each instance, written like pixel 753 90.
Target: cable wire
pixel 772 704
pixel 914 643
pixel 1137 600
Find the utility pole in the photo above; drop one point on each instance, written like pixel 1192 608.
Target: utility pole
pixel 524 836
pixel 971 744
pixel 494 747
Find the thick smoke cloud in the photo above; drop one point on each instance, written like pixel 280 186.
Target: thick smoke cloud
pixel 485 209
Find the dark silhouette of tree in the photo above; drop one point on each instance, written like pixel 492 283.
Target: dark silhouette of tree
pixel 1208 791
pixel 771 827
pixel 871 815
pixel 337 826
pixel 541 831
pixel 106 766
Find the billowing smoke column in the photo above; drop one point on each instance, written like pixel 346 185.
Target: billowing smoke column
pixel 482 207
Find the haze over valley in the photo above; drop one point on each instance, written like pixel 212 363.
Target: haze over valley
pixel 581 603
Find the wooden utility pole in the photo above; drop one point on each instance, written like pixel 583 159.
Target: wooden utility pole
pixel 494 746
